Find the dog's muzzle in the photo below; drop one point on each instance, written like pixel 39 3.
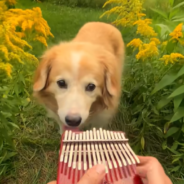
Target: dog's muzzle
pixel 73 120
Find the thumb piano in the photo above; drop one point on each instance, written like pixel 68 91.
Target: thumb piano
pixel 80 151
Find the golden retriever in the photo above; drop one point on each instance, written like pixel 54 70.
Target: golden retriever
pixel 79 81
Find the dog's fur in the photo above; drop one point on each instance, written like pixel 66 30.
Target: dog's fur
pixel 95 55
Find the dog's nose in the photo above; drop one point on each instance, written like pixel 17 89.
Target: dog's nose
pixel 73 120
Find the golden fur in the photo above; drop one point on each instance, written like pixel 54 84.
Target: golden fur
pixel 96 56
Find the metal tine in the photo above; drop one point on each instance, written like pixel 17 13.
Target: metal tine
pixel 71 151
pixel 89 150
pixel 110 151
pixel 93 149
pixel 118 150
pixel 115 152
pixel 101 152
pixel 127 150
pixel 84 152
pixel 130 149
pixel 80 152
pixel 64 146
pixel 105 150
pixel 96 146
pixel 75 152
pixel 122 149
pixel 67 148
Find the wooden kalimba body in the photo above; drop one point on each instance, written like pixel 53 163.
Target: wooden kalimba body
pixel 80 151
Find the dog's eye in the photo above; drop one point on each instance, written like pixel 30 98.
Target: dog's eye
pixel 62 84
pixel 90 87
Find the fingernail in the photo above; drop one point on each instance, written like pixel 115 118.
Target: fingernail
pixel 100 169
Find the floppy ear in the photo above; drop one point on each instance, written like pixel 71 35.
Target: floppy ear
pixel 42 74
pixel 112 79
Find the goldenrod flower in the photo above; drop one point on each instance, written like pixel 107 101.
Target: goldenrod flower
pixel 136 43
pixel 156 40
pixel 144 29
pixel 172 58
pixel 12 46
pixel 140 15
pixel 128 11
pixel 4 52
pixel 177 33
pixel 3 6
pixel 147 51
pixel 6 67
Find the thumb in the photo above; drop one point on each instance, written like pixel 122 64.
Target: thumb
pixel 94 175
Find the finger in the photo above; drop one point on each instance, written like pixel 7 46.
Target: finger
pixel 145 159
pixel 52 182
pixel 94 175
pixel 141 171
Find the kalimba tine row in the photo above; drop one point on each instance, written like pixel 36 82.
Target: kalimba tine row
pixel 80 151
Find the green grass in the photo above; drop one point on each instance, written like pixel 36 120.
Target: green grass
pixel 38 142
pixel 64 21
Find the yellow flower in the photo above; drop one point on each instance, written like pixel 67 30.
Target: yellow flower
pixel 3 6
pixel 156 40
pixel 136 43
pixel 42 40
pixel 4 52
pixel 147 51
pixel 177 33
pixel 174 57
pixel 140 15
pixel 128 11
pixel 144 29
pixel 6 67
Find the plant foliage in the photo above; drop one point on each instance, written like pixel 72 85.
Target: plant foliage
pixel 18 29
pixel 153 97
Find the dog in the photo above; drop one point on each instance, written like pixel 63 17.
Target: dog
pixel 79 81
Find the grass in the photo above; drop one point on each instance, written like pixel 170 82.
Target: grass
pixel 38 142
pixel 64 21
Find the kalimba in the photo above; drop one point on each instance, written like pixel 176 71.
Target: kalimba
pixel 79 151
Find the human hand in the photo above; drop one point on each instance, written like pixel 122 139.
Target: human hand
pixel 151 171
pixel 93 176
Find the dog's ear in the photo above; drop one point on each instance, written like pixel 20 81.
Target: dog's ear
pixel 112 79
pixel 42 73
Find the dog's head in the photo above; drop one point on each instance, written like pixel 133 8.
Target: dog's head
pixel 74 80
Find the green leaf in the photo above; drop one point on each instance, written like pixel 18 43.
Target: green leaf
pixel 175 168
pixel 165 81
pixel 163 102
pixel 171 2
pixel 142 142
pixel 178 5
pixel 177 101
pixel 164 29
pixel 177 92
pixel 182 129
pixel 166 127
pixel 161 13
pixel 164 145
pixel 178 20
pixel 175 145
pixel 178 114
pixel 171 131
pixel 181 72
pixel 170 46
pixel 173 13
